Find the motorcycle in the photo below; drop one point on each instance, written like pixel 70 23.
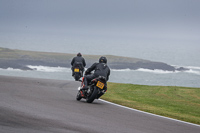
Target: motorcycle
pixel 96 88
pixel 77 72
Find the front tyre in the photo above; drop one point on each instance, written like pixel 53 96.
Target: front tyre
pixel 91 98
pixel 78 96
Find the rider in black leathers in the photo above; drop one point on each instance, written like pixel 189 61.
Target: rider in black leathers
pixel 78 59
pixel 100 69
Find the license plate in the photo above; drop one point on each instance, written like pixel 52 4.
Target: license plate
pixel 76 70
pixel 100 85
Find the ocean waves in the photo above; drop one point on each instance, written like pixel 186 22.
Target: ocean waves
pixel 188 78
pixel 191 70
pixel 49 69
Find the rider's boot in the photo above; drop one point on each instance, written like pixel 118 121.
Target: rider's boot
pixel 82 90
pixel 82 93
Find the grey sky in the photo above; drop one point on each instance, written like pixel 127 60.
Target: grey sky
pixel 119 22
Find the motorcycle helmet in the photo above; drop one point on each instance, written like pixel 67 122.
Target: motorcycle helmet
pixel 102 59
pixel 79 54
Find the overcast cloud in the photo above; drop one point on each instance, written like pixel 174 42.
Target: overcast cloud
pixel 64 22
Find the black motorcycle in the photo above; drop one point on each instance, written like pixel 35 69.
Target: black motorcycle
pixel 77 72
pixel 97 87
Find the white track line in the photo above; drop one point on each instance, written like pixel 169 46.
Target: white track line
pixel 149 113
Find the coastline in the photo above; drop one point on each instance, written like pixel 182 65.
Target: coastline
pixel 20 59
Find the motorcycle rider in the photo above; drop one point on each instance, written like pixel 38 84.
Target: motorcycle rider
pixel 78 60
pixel 100 69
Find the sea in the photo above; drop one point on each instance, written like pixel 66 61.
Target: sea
pixel 187 56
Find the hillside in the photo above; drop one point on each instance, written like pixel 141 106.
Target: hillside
pixel 19 59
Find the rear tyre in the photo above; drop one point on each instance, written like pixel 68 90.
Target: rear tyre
pixel 92 97
pixel 77 76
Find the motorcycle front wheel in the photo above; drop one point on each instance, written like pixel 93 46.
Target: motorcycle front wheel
pixel 78 96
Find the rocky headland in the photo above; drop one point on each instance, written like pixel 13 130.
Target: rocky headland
pixel 20 59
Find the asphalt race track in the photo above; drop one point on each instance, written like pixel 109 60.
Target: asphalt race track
pixel 29 105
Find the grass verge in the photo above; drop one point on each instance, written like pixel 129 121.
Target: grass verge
pixel 182 103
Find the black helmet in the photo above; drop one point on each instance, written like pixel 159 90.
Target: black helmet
pixel 79 54
pixel 102 59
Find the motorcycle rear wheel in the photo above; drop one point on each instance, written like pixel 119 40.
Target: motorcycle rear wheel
pixel 92 97
pixel 77 76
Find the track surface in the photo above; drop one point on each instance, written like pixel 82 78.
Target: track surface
pixel 29 105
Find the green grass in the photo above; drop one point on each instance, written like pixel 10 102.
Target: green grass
pixel 181 103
